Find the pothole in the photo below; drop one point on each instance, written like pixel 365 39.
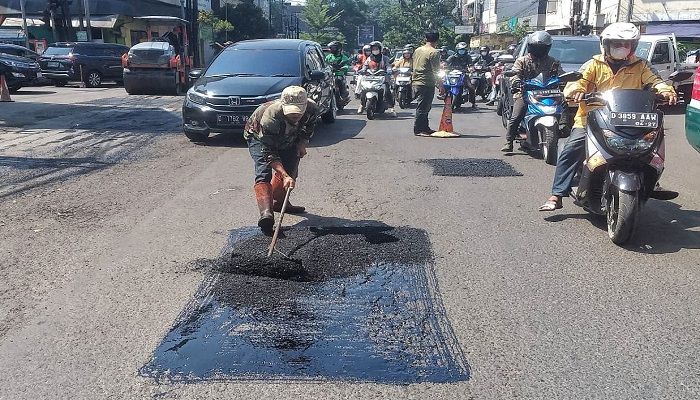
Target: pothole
pixel 476 167
pixel 352 303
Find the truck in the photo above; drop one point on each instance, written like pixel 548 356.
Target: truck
pixel 161 64
pixel 661 51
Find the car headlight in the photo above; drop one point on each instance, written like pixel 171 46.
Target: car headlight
pixel 16 64
pixel 196 98
pixel 625 145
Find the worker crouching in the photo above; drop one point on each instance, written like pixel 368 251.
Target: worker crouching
pixel 278 133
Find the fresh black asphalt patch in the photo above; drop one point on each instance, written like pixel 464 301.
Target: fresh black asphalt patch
pixel 477 167
pixel 353 303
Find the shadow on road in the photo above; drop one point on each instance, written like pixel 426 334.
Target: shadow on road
pixel 32 92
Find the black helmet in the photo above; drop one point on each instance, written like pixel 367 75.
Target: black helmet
pixel 539 43
pixel 443 49
pixel 484 49
pixel 334 47
pixel 511 49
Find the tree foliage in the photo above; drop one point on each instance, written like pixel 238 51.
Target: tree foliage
pixel 518 31
pixel 406 21
pixel 245 21
pixel 354 14
pixel 317 15
pixel 211 25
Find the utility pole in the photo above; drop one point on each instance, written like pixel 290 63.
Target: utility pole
pixel 630 9
pixel 22 6
pixel 87 20
pixel 53 25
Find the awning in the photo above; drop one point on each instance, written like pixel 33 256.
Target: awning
pixel 689 29
pixel 14 22
pixel 96 21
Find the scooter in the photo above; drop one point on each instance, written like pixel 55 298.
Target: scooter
pixel 373 95
pixel 402 87
pixel 480 76
pixel 340 101
pixel 625 153
pixel 453 82
pixel 539 130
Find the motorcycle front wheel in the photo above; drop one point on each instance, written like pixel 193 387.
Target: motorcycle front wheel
pixel 622 216
pixel 550 145
pixel 371 107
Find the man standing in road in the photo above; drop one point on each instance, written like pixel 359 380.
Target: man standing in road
pixel 277 134
pixel 426 64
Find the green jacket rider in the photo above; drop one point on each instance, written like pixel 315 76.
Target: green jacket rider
pixel 341 65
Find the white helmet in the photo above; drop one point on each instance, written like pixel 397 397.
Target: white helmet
pixel 619 31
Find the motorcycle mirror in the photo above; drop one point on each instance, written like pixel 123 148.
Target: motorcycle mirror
pixel 570 76
pixel 510 73
pixel 680 76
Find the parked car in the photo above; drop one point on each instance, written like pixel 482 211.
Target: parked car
pixel 249 73
pixel 88 62
pixel 571 51
pixel 20 51
pixel 662 52
pixel 19 71
pixel 692 114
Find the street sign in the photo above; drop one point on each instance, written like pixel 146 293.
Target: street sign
pixel 365 34
pixel 464 29
pixel 82 36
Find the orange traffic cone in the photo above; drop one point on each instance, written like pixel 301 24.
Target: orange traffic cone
pixel 446 129
pixel 4 91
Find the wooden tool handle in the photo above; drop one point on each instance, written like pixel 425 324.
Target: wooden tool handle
pixel 279 223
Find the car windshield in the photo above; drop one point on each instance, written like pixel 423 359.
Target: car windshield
pixel 574 51
pixel 58 51
pixel 643 50
pixel 234 62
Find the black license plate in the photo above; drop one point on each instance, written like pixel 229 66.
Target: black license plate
pixel 546 92
pixel 641 120
pixel 231 119
pixel 53 64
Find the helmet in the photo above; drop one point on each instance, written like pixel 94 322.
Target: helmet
pixel 539 43
pixel 621 32
pixel 376 43
pixel 443 49
pixel 484 49
pixel 461 46
pixel 407 53
pixel 334 46
pixel 511 49
pixel 408 47
pixel 366 48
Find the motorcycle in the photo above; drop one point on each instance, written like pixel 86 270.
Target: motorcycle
pixel 539 130
pixel 497 74
pixel 403 91
pixel 453 82
pixel 625 153
pixel 373 97
pixel 480 76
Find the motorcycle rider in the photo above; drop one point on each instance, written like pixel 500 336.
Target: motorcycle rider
pixel 536 61
pixel 616 68
pixel 511 49
pixel 378 61
pixel 444 54
pixel 406 61
pixel 341 65
pixel 366 52
pixel 461 60
pixel 485 57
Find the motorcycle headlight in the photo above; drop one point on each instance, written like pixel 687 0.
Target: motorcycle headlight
pixel 452 80
pixel 625 145
pixel 196 98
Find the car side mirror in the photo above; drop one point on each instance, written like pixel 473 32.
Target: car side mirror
pixel 317 75
pixel 505 59
pixel 195 74
pixel 570 76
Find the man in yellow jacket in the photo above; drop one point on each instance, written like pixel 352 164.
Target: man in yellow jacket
pixel 616 68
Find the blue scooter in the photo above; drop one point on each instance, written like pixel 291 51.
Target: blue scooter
pixel 453 82
pixel 539 131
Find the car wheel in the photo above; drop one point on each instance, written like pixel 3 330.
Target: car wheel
pixel 332 113
pixel 120 83
pixel 14 89
pixel 93 79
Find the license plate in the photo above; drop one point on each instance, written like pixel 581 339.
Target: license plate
pixel 547 92
pixel 52 64
pixel 231 119
pixel 642 120
pixel 401 80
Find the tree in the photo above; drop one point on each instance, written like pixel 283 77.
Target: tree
pixel 211 27
pixel 354 14
pixel 318 17
pixel 518 30
pixel 246 19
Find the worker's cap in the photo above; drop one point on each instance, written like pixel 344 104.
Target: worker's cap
pixel 294 100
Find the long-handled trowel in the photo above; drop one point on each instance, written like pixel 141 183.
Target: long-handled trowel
pixel 278 228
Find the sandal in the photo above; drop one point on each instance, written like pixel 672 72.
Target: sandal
pixel 551 205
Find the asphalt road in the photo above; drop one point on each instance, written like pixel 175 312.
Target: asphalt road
pixel 107 214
